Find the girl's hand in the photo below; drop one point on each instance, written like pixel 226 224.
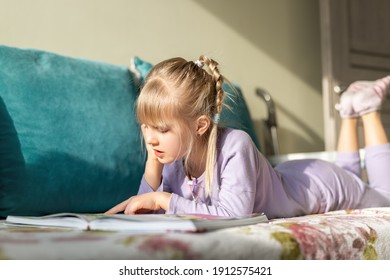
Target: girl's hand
pixel 143 203
pixel 153 167
pixel 151 154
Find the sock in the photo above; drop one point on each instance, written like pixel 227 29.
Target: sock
pixel 370 96
pixel 345 107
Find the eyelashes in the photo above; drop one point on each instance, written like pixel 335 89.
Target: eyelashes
pixel 161 129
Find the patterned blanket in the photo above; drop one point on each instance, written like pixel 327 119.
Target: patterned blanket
pixel 350 234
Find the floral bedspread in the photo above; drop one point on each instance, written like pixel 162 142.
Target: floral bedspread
pixel 352 234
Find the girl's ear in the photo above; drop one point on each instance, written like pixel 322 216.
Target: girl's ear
pixel 202 124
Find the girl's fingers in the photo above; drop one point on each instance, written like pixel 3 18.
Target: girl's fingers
pixel 133 208
pixel 118 208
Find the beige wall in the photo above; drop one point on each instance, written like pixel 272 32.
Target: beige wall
pixel 274 44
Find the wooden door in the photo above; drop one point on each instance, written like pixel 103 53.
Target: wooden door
pixel 355 38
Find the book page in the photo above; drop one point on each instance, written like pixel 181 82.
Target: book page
pixel 63 220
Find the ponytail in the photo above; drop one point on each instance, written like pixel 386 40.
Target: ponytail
pixel 213 137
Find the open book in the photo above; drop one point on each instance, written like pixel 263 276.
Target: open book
pixel 135 223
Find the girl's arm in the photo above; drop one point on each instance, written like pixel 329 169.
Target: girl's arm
pixel 239 171
pixel 153 172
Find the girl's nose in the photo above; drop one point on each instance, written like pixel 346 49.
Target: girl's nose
pixel 151 139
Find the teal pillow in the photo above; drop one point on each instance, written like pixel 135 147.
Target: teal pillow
pixel 69 140
pixel 237 117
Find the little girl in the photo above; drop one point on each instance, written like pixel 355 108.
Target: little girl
pixel 196 166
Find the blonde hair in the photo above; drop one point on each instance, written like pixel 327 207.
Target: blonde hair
pixel 184 90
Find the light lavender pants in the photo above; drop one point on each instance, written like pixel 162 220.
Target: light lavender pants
pixel 377 164
pixel 318 186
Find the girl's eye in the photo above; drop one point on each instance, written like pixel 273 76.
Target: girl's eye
pixel 163 130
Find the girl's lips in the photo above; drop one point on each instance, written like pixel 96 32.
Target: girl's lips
pixel 158 153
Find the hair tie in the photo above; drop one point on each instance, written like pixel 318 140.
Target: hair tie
pixel 216 118
pixel 198 63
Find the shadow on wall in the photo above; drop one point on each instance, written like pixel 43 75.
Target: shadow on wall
pixel 288 31
pixel 288 139
pixel 293 141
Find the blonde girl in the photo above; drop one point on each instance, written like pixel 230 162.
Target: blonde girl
pixel 196 166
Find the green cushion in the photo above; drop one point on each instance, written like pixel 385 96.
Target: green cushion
pixel 237 117
pixel 69 140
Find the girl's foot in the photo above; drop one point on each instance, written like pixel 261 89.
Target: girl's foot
pixel 345 107
pixel 362 97
pixel 370 98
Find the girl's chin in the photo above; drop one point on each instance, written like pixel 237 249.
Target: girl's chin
pixel 167 160
pixel 164 160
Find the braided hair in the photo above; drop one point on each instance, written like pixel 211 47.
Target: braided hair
pixel 216 112
pixel 185 90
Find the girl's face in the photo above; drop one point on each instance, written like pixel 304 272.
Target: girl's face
pixel 167 143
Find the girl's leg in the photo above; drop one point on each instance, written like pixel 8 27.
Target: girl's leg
pixel 377 153
pixel 362 98
pixel 374 132
pixel 348 138
pixel 377 149
pixel 348 156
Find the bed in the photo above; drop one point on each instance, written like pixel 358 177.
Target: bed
pixel 354 234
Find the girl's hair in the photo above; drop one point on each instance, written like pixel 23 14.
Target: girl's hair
pixel 183 90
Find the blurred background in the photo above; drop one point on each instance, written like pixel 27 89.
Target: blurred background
pixel 274 45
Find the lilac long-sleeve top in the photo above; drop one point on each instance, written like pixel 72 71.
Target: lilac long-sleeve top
pixel 244 182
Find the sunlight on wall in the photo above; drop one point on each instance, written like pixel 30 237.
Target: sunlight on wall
pixel 272 44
